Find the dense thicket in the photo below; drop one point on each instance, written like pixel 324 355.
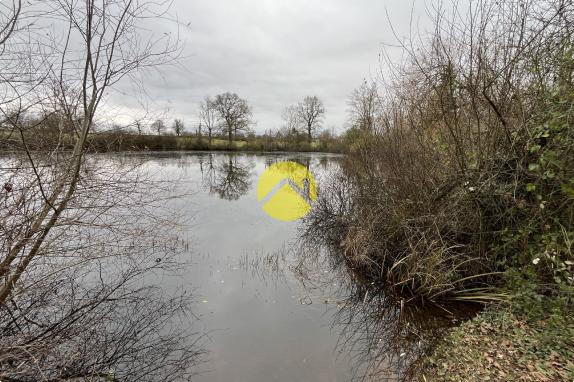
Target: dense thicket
pixel 469 171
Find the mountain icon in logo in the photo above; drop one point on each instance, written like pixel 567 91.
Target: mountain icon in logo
pixel 286 190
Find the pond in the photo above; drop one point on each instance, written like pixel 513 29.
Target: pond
pixel 263 323
pixel 186 274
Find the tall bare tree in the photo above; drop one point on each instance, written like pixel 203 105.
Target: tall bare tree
pixel 178 126
pixel 291 119
pixel 158 126
pixel 60 308
pixel 310 113
pixel 102 45
pixel 139 126
pixel 234 112
pixel 209 115
pixel 199 131
pixel 364 107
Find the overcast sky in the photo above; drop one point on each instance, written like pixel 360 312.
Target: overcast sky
pixel 274 53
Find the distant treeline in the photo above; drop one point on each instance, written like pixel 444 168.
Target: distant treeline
pixel 125 141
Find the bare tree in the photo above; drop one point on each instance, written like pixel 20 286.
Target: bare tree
pixel 310 113
pixel 232 179
pixel 234 112
pixel 209 116
pixel 364 107
pixel 74 327
pixel 90 282
pixel 139 126
pixel 291 118
pixel 158 126
pixel 178 127
pixel 61 225
pixel 9 15
pixel 102 45
pixel 199 133
pixel 18 75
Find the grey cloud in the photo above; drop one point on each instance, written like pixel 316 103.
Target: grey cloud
pixel 273 53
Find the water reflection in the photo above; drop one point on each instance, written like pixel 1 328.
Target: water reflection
pixel 382 337
pixel 229 177
pixel 302 160
pixel 302 312
pixel 264 323
pixel 281 309
pixel 385 336
pixel 109 330
pixel 95 305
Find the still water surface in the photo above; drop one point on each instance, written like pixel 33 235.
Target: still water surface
pixel 263 324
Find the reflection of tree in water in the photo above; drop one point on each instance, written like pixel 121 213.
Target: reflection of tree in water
pixel 87 308
pixel 292 172
pixel 111 328
pixel 229 179
pixel 207 169
pixel 384 337
pixel 270 160
pixel 324 162
pixel 304 161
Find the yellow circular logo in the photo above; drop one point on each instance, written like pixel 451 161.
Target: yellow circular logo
pixel 286 190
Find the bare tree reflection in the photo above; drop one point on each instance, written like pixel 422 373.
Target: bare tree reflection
pixel 384 337
pixel 302 160
pixel 324 162
pixel 108 329
pixel 208 172
pixel 87 307
pixel 229 179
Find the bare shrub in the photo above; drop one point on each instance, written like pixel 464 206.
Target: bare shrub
pixel 471 155
pixel 80 241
